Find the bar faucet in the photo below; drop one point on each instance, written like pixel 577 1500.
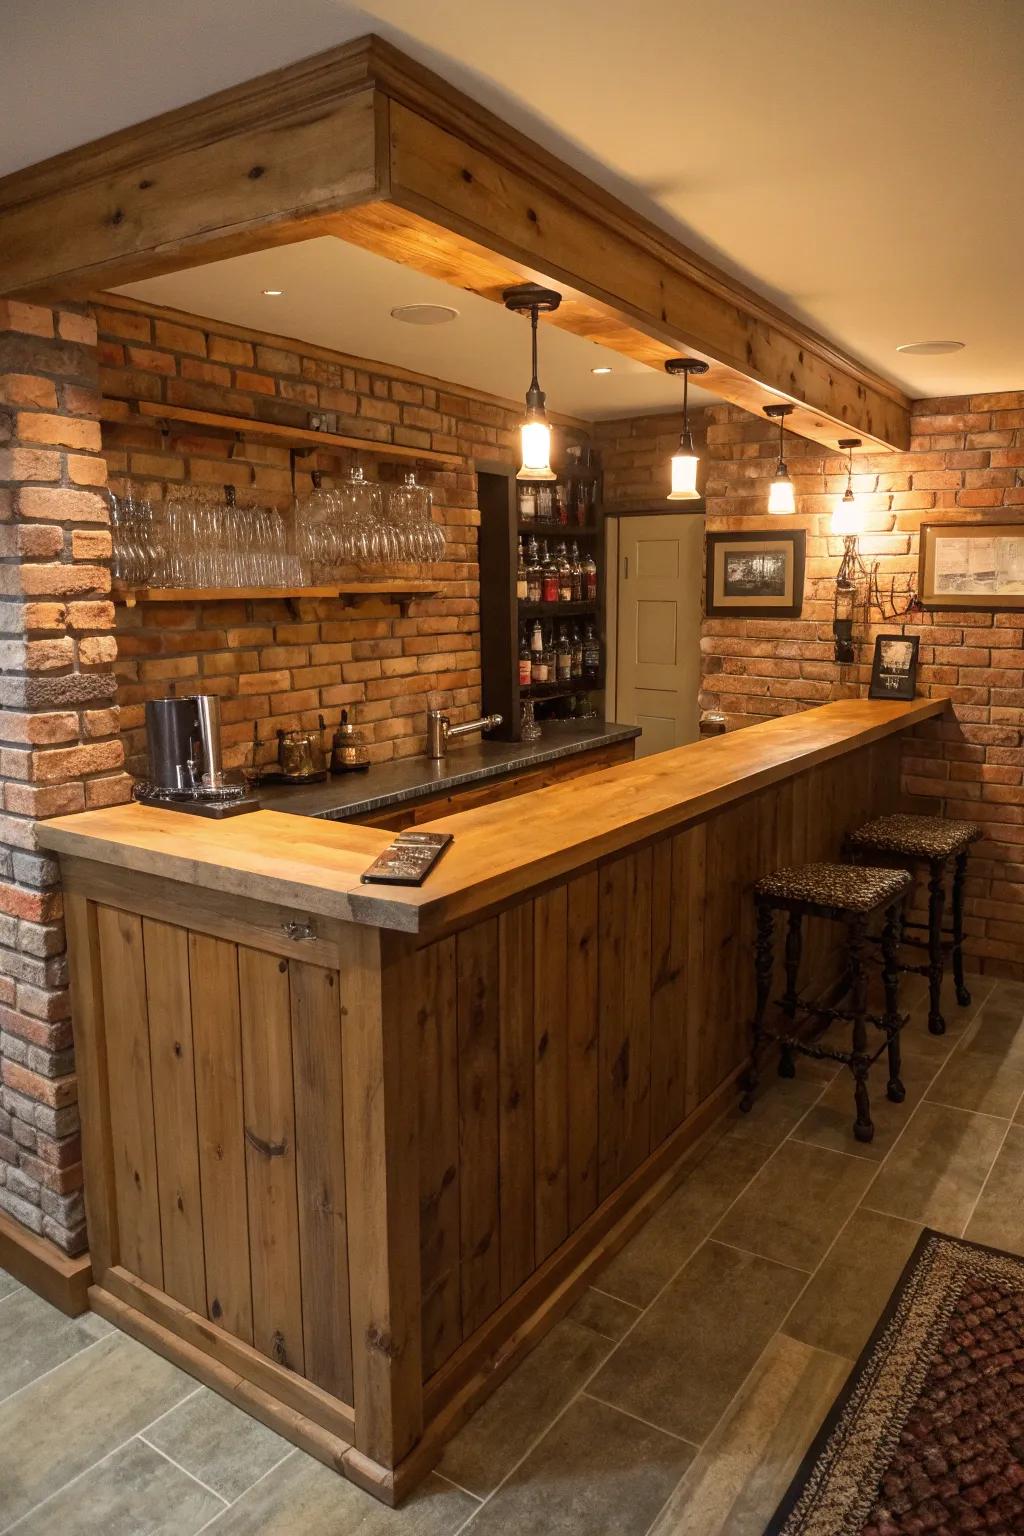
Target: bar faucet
pixel 440 730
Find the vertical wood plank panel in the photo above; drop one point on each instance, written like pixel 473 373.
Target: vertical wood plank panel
pixel 638 1011
pixel 625 1000
pixel 612 1043
pixel 582 1030
pixel 320 1177
pixel 516 1094
pixel 131 1092
pixel 169 1000
pixel 216 1038
pixel 690 865
pixel 668 989
pixel 478 1023
pixel 84 966
pixel 268 1102
pixel 439 1153
pixel 550 1068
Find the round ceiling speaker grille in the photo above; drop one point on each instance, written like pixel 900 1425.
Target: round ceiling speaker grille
pixel 930 348
pixel 425 314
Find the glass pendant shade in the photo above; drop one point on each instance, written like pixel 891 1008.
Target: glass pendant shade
pixel 536 450
pixel 847 517
pixel 684 477
pixel 781 499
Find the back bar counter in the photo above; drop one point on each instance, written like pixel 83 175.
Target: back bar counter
pixel 349 1150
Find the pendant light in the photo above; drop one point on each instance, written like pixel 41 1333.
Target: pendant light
pixel 535 432
pixel 847 516
pixel 781 499
pixel 685 460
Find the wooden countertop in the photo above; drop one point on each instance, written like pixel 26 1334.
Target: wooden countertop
pixel 500 850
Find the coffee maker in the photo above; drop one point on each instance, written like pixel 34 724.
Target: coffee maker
pixel 186 765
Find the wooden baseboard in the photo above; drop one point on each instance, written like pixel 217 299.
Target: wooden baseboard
pixel 39 1264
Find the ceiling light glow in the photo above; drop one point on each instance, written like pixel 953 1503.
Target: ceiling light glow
pixel 600 370
pixel 273 293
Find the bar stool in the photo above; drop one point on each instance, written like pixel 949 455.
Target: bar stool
pixel 914 841
pixel 850 894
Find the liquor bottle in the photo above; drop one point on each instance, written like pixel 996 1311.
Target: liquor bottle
pixel 549 577
pixel 591 656
pixel 522 585
pixel 527 503
pixel 544 504
pixel 538 660
pixel 550 655
pixel 589 579
pixel 563 492
pixel 525 660
pixel 576 571
pixel 563 660
pixel 564 576
pixel 533 576
pixel 577 654
pixel 583 492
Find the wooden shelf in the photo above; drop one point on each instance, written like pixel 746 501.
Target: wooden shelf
pixel 552 610
pixel 404 591
pixel 565 531
pixel 269 431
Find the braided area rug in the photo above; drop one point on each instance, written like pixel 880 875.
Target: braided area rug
pixel 927 1436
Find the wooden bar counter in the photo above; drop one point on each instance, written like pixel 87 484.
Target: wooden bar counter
pixel 350 1150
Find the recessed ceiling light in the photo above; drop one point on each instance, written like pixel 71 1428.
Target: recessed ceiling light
pixel 930 348
pixel 273 293
pixel 425 314
pixel 600 370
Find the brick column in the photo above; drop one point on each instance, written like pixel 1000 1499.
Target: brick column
pixel 59 744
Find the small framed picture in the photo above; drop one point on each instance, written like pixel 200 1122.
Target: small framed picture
pixel 972 565
pixel 894 671
pixel 761 574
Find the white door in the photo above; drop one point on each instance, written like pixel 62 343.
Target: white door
pixel 658 652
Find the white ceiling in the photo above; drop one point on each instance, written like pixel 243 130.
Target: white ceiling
pixel 859 163
pixel 341 296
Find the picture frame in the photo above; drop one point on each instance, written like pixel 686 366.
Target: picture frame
pixel 894 669
pixel 971 566
pixel 759 574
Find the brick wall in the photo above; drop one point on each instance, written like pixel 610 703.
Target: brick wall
pixel 278 665
pixel 59 744
pixel 966 463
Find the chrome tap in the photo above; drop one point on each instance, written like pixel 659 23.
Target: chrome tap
pixel 440 730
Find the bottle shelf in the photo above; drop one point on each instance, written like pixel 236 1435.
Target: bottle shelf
pixel 566 531
pixel 553 610
pixel 540 693
pixel 397 588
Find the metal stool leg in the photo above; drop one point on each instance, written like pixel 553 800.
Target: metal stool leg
pixel 963 996
pixel 863 1127
pixel 764 958
pixel 936 903
pixel 791 997
pixel 891 981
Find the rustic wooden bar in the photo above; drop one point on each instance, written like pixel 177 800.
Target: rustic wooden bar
pixel 349 1150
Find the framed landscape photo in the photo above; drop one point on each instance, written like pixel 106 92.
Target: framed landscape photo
pixel 894 671
pixel 760 573
pixel 971 565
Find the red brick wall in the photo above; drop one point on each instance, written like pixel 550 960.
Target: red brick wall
pixel 59 747
pixel 966 463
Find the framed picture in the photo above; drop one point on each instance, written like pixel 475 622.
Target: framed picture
pixel 759 573
pixel 894 671
pixel 971 565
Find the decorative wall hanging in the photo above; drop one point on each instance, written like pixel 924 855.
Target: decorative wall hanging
pixel 971 565
pixel 894 672
pixel 760 574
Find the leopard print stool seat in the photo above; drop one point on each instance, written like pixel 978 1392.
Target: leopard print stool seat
pixel 930 842
pixel 850 894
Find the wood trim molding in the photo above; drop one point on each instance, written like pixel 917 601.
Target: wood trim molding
pixel 364 143
pixel 40 1265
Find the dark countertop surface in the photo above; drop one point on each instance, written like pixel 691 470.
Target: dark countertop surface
pixel 468 762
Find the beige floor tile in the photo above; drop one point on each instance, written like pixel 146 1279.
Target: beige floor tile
pixel 35 1337
pixel 529 1401
pixel 829 1123
pixel 796 1205
pixel 998 1218
pixel 997 1028
pixel 847 1295
pixel 937 1167
pixel 218 1443
pixel 303 1498
pixel 677 1228
pixel 8 1284
pixel 64 1423
pixel 780 1103
pixel 690 1351
pixel 606 1315
pixel 134 1491
pixel 972 1079
pixel 746 1466
pixel 596 1472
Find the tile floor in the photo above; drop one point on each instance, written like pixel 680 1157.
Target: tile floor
pixel 676 1398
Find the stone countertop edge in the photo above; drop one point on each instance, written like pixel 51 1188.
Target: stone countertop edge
pixel 484 760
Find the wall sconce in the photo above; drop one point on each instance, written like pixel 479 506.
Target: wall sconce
pixel 685 460
pixel 535 432
pixel 781 498
pixel 848 520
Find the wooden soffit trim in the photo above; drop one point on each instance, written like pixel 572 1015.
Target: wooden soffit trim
pixel 364 143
